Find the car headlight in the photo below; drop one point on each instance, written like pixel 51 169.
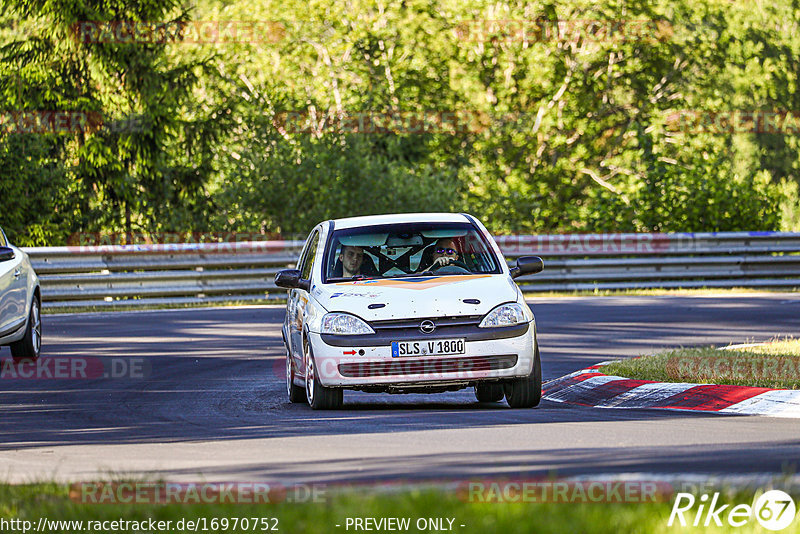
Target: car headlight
pixel 504 315
pixel 344 323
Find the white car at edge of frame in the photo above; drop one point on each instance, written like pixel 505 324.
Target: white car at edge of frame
pixel 20 303
pixel 408 303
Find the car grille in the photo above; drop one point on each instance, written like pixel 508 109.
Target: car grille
pixel 443 324
pixel 402 366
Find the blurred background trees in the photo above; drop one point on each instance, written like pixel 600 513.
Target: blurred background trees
pixel 575 119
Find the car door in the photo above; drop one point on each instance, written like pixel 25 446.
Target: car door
pixel 298 298
pixel 292 327
pixel 12 291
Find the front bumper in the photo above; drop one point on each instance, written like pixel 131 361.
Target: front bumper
pixel 483 360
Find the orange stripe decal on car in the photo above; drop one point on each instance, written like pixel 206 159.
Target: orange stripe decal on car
pixel 422 282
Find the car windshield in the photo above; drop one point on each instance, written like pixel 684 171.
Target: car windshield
pixel 403 250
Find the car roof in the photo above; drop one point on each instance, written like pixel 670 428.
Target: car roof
pixel 398 218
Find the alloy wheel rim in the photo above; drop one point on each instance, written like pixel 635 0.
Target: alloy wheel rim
pixel 36 329
pixel 289 377
pixel 309 377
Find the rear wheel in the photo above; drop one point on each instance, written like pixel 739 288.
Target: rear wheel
pixel 526 392
pixel 296 393
pixel 319 397
pixel 489 392
pixel 30 346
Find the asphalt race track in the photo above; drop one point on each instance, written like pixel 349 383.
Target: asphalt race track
pixel 213 407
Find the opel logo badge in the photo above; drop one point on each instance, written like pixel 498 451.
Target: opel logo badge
pixel 427 326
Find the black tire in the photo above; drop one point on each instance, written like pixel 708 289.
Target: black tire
pixel 320 397
pixel 30 346
pixel 297 394
pixel 526 392
pixel 489 392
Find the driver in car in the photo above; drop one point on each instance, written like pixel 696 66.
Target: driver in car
pixel 444 253
pixel 351 258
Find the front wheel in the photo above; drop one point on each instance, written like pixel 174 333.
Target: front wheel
pixel 319 397
pixel 526 392
pixel 296 393
pixel 489 392
pixel 30 346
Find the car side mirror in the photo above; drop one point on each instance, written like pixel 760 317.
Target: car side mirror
pixel 527 265
pixel 290 279
pixel 7 253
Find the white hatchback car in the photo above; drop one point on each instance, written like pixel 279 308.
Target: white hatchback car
pixel 410 303
pixel 20 303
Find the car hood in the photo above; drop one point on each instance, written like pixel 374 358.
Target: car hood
pixel 424 296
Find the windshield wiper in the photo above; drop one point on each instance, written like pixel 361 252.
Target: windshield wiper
pixel 423 273
pixel 404 275
pixel 352 278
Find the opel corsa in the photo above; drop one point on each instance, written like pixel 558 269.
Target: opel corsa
pixel 411 303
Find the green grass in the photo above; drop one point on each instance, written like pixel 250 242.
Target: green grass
pixel 773 365
pixel 52 501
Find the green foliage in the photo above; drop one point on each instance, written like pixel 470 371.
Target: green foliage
pixel 34 191
pixel 288 182
pixel 575 137
pixel 146 161
pixel 790 206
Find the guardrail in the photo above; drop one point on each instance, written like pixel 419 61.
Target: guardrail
pixel 206 272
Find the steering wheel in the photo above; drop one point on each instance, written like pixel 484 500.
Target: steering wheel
pixel 454 267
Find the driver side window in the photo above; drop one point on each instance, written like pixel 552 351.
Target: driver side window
pixel 3 240
pixel 308 261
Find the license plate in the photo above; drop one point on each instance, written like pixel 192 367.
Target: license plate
pixel 434 347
